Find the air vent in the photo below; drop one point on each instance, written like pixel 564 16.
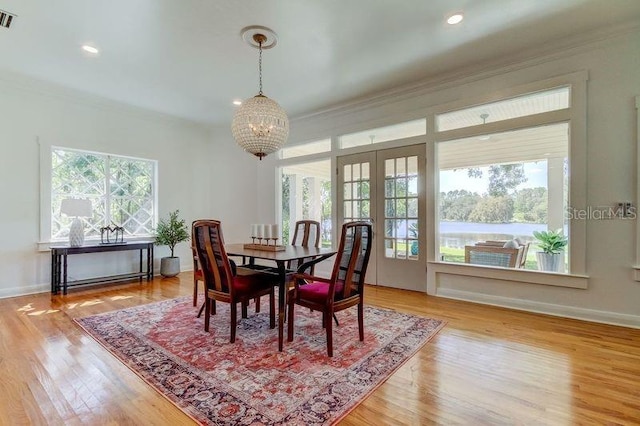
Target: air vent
pixel 6 19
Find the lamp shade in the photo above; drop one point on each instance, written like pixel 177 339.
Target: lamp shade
pixel 76 207
pixel 260 126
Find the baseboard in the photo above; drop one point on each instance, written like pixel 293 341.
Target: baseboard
pixel 24 291
pixel 592 315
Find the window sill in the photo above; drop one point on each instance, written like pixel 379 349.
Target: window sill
pixel 523 276
pixel 43 246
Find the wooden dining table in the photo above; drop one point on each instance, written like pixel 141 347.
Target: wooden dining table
pixel 281 259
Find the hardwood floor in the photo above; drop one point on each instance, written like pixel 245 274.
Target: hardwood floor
pixel 487 366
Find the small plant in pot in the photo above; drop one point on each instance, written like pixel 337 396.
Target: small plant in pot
pixel 170 233
pixel 552 245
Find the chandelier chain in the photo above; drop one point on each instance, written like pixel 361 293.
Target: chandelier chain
pixel 260 68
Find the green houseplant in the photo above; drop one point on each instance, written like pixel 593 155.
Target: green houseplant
pixel 552 245
pixel 170 233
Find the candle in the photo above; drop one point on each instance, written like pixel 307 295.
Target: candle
pixel 267 231
pixel 254 230
pixel 260 231
pixel 274 231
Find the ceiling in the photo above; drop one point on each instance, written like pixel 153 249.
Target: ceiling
pixel 187 58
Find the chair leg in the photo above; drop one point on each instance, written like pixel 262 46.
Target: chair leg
pixel 329 324
pixel 272 309
pixel 290 322
pixel 245 304
pixel 207 311
pixel 234 321
pixel 195 292
pixel 335 318
pixel 202 309
pixel 361 320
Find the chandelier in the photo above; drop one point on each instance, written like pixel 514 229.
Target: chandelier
pixel 260 126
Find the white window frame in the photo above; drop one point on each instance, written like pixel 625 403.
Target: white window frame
pixel 576 116
pixel 46 150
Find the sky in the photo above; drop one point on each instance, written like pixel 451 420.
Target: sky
pixel 450 180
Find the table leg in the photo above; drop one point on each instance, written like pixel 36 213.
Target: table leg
pixel 140 268
pixel 53 273
pixel 64 273
pixel 282 299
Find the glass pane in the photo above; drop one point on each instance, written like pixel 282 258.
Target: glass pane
pixel 412 226
pixel 389 251
pixel 401 167
pixel 401 249
pixel 356 209
pixel 389 208
pixel 532 103
pixel 412 186
pixel 347 191
pixel 412 165
pixel 389 188
pixel 365 171
pixel 306 148
pixel 364 188
pixel 366 210
pixel 412 207
pixel 389 168
pixel 388 228
pixel 347 173
pixel 348 210
pixel 356 190
pixel 401 187
pixel 384 134
pixel 356 172
pixel 503 189
pixel 401 207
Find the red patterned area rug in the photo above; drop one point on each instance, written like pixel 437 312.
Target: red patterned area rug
pixel 250 382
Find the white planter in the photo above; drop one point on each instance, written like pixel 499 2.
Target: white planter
pixel 550 262
pixel 169 266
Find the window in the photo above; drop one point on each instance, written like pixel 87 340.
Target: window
pixel 507 167
pixel 306 195
pixel 384 134
pixel 502 187
pixel 121 190
pixel 306 149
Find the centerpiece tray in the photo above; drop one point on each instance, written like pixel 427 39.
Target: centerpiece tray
pixel 263 247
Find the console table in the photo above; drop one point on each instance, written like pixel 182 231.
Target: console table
pixel 59 256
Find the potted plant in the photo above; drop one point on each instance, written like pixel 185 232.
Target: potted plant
pixel 552 244
pixel 169 233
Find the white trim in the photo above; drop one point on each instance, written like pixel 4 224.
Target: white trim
pixel 507 274
pixel 24 291
pixel 636 272
pixel 605 317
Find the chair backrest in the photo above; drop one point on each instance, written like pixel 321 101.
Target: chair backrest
pixel 492 255
pixel 350 266
pixel 209 244
pixel 306 234
pixel 521 261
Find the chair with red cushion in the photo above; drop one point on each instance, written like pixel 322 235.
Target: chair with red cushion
pixel 220 282
pixel 343 290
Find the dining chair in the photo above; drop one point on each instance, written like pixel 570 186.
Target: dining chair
pixel 197 274
pixel 343 290
pixel 220 282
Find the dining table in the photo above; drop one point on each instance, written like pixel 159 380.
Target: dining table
pixel 281 258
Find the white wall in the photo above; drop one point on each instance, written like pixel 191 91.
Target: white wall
pixel 199 173
pixel 613 66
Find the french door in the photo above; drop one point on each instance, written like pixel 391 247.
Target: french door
pixel 386 187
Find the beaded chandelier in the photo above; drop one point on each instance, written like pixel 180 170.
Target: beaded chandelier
pixel 260 126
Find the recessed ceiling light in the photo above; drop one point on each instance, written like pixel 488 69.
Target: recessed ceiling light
pixel 90 49
pixel 237 102
pixel 456 18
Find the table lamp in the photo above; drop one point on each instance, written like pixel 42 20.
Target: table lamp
pixel 76 208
